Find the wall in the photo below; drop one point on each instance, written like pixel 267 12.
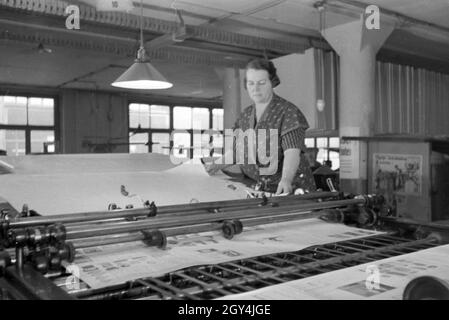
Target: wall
pixel 245 100
pixel 232 92
pixel 101 118
pixel 305 78
pixel 327 68
pixel 297 74
pixel 411 100
pixel 92 117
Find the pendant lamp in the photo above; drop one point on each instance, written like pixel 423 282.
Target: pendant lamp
pixel 142 75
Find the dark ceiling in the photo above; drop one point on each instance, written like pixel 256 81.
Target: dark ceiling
pixel 37 50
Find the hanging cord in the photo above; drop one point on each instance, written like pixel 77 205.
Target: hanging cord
pixel 141 51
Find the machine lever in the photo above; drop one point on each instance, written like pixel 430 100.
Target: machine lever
pixel 331 185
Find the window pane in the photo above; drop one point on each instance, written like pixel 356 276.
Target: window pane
pixel 139 114
pixel 321 142
pixel 217 119
pixel 309 142
pixel 42 140
pixel 335 158
pixel 321 156
pixel 13 110
pixel 137 143
pixel 182 118
pixel 161 143
pixel 13 141
pixel 218 144
pixel 181 145
pixel 200 118
pixel 334 142
pixel 160 117
pixel 201 145
pixel 40 111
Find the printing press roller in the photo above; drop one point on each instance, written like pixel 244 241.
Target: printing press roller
pixel 46 242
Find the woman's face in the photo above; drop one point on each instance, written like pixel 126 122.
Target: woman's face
pixel 259 85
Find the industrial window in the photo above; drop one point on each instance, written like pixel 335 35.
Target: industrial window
pixel 138 143
pixel 182 118
pixel 191 118
pixel 27 125
pixel 160 117
pixel 139 115
pixel 217 126
pixel 12 142
pixel 149 116
pixel 160 143
pixel 217 119
pixel 151 126
pixel 181 144
pixel 328 149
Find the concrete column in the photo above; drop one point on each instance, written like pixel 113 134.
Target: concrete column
pixel 231 96
pixel 357 47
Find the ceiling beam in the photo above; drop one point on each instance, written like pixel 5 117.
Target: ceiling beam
pixel 120 47
pixel 89 16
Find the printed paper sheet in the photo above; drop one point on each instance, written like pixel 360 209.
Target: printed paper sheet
pixel 380 280
pixel 91 188
pixel 109 265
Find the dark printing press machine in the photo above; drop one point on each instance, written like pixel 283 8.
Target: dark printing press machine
pixel 35 249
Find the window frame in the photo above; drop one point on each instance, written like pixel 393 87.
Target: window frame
pixel 28 128
pixel 327 136
pixel 172 104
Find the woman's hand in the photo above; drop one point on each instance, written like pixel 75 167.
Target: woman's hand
pixel 213 168
pixel 284 187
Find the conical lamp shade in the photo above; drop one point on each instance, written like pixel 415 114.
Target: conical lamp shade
pixel 142 75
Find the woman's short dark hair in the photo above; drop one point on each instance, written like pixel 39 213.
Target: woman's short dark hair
pixel 267 65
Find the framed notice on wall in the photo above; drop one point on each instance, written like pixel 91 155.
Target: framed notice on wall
pixel 397 173
pixel 349 159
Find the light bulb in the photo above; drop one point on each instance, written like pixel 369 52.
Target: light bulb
pixel 320 105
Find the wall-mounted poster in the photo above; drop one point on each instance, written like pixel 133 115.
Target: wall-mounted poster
pixel 397 173
pixel 349 159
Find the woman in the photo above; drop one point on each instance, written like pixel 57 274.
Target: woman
pixel 270 111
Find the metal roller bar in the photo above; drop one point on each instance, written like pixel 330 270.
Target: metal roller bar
pixel 390 237
pixel 289 262
pixel 265 275
pixel 326 252
pixel 351 249
pixel 159 223
pixel 224 283
pixel 266 265
pixel 137 236
pixel 380 255
pixel 335 252
pixel 179 293
pixel 297 256
pixel 255 264
pixel 165 293
pixel 205 285
pixel 360 246
pixel 250 222
pixel 374 243
pixel 171 209
pixel 253 276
